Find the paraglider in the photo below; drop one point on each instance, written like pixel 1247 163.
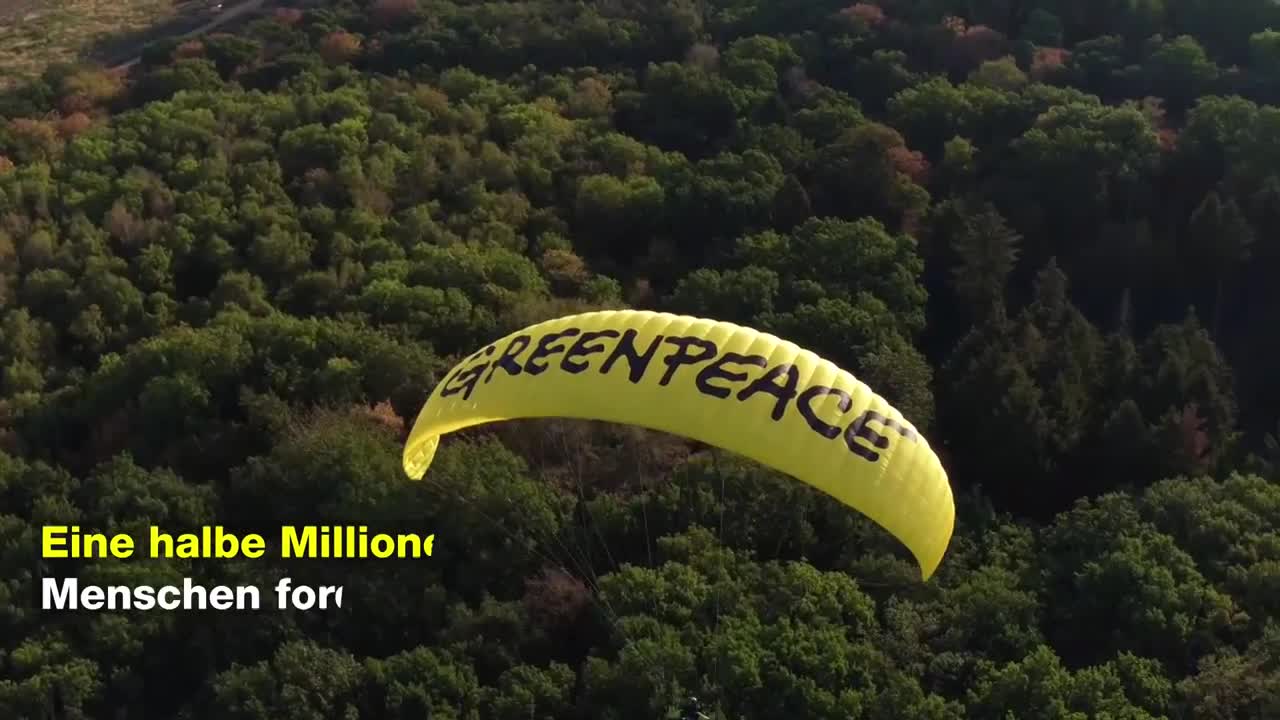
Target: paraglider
pixel 716 382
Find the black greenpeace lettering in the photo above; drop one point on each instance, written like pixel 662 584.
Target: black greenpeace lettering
pixel 463 381
pixel 805 405
pixel 716 371
pixel 468 374
pixel 626 347
pixel 859 429
pixel 448 379
pixel 507 360
pixel 582 349
pixel 682 356
pixel 545 348
pixel 766 384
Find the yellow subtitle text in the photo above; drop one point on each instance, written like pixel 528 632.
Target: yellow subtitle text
pixel 306 541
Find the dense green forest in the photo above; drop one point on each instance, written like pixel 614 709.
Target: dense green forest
pixel 1048 231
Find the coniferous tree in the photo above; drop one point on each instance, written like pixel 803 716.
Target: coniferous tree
pixel 987 249
pixel 1219 238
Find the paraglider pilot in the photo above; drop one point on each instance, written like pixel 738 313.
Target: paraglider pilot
pixel 693 710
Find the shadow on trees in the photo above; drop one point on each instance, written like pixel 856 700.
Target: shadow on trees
pixel 120 47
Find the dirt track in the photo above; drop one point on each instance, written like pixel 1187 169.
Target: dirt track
pixel 226 16
pixel 10 9
pixel 112 33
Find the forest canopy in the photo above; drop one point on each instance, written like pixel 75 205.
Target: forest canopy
pixel 1048 232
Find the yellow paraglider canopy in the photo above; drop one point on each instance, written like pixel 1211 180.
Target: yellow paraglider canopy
pixel 716 382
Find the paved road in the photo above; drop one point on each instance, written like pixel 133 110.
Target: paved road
pixel 226 16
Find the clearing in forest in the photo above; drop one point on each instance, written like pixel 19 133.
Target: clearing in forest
pixel 36 33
